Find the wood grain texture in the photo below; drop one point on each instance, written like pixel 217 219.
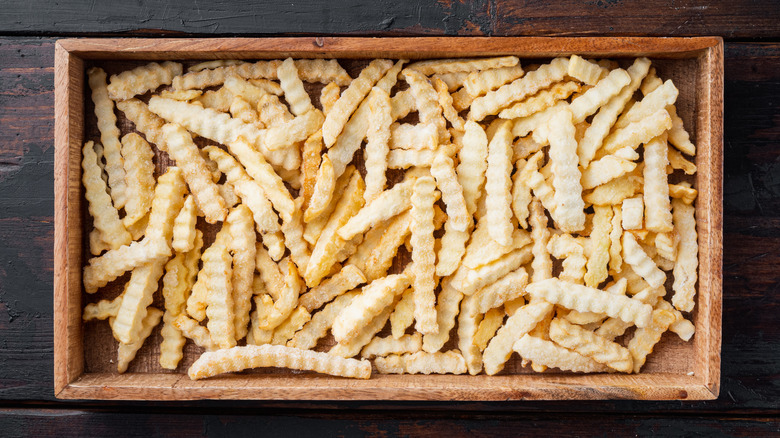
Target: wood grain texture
pixel 694 64
pixel 751 337
pixel 442 17
pixel 242 422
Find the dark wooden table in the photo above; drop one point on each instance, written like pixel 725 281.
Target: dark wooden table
pixel 750 396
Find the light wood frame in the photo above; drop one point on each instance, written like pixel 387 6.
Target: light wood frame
pixel 70 381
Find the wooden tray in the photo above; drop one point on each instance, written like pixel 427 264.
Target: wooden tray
pixel 677 370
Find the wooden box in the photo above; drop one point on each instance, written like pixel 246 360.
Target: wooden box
pixel 677 370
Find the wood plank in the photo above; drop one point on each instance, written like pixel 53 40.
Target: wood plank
pixel 751 360
pixel 444 17
pixel 242 422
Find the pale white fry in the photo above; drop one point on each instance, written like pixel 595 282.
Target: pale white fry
pixel 640 262
pixel 109 135
pixel 615 244
pixel 685 274
pixel 524 125
pixel 387 204
pixel 238 86
pixel 450 362
pixel 141 79
pixel 184 226
pixel 406 158
pixel 469 280
pixel 443 169
pixel 321 322
pixel 542 263
pixel 381 256
pixel 264 306
pixel 219 299
pixel 377 146
pixel 453 80
pixel 447 309
pixel 492 102
pixel 499 185
pixel 370 242
pixel 197 333
pixel 439 66
pixel 208 65
pixel 540 101
pixel 461 99
pixel 507 288
pixel 608 114
pixel 658 206
pixel 268 86
pixel 633 213
pixel 350 99
pixel 139 176
pixel 127 351
pixel 184 151
pixel 104 215
pixel 499 349
pixel 426 101
pixel 241 109
pixel 681 326
pixel 569 212
pixel 145 121
pixel 272 111
pixel 402 103
pixel 355 130
pixel 294 94
pixel 639 132
pixel 473 164
pixel 480 82
pixel 590 101
pixel 379 347
pixel 219 100
pixel 168 199
pixel 521 191
pixel 375 298
pixel 604 170
pixel 103 309
pixel 423 136
pixel 256 356
pixel 658 99
pixel 453 247
pixel 264 175
pixel 345 280
pixel 548 354
pixel 588 344
pixel 353 347
pixel 584 70
pixel 250 192
pixel 572 252
pixel 423 255
pixel 587 299
pixel 483 250
pixel 242 245
pixel 445 101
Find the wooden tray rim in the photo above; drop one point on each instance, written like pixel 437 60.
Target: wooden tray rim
pixel 72 383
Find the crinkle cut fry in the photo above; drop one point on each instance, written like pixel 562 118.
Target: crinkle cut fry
pixel 450 362
pixel 499 349
pixel 587 299
pixel 253 356
pixel 105 216
pixel 549 354
pixel 109 135
pixel 126 352
pixel 143 78
pixel 423 255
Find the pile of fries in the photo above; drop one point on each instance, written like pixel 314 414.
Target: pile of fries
pixel 536 202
